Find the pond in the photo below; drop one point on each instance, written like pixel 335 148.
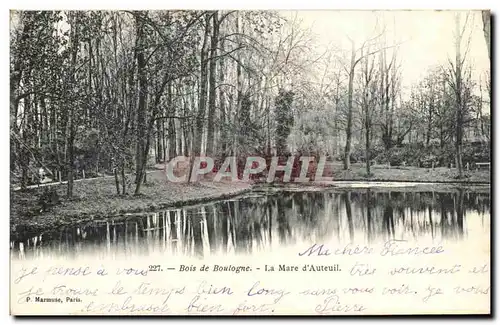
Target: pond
pixel 264 221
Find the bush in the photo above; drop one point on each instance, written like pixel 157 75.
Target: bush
pixel 428 161
pixel 358 155
pixel 419 155
pixel 48 199
pixel 396 161
pixel 477 152
pixel 393 157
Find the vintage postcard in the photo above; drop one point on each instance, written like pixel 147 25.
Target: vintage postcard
pixel 232 162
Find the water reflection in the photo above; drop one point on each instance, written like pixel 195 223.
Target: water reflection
pixel 265 221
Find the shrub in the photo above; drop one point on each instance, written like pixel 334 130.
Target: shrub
pixel 48 199
pixel 429 160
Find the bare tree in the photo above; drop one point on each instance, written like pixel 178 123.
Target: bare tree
pixel 457 70
pixel 368 103
pixel 211 93
pixel 355 59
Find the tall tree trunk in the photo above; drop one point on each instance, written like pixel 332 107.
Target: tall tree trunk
pixel 222 104
pixel 239 93
pixel 117 181
pixel 141 107
pixel 211 93
pixel 481 122
pixel 185 126
pixel 367 144
pixel 164 142
pixel 71 157
pixel 367 102
pixel 429 128
pixel 70 106
pixel 458 97
pixel 268 124
pixel 171 124
pixel 347 151
pixel 202 98
pixel 25 139
pixel 159 141
pixel 124 179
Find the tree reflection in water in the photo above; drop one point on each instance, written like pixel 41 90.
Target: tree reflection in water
pixel 264 221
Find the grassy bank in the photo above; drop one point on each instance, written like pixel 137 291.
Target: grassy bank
pixel 97 198
pixel 408 174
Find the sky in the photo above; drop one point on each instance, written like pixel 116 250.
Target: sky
pixel 426 37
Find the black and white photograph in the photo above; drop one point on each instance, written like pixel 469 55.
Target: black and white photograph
pixel 250 162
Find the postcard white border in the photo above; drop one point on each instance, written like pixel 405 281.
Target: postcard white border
pixel 189 4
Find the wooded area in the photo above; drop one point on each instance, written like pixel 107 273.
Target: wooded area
pixel 113 92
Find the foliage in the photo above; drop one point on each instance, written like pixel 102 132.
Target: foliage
pixel 111 92
pixel 311 133
pixel 284 120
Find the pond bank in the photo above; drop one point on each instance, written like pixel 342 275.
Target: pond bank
pixel 408 174
pixel 382 186
pixel 97 198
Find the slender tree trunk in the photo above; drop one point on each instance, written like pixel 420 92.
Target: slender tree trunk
pixel 268 124
pixel 171 124
pixel 347 151
pixel 458 97
pixel 159 141
pixel 367 141
pixel 239 94
pixel 222 104
pixel 117 181
pixel 141 108
pixel 367 102
pixel 429 129
pixel 25 139
pixel 124 179
pixel 202 99
pixel 185 129
pixel 71 156
pixel 481 122
pixel 211 94
pixel 164 142
pixel 71 110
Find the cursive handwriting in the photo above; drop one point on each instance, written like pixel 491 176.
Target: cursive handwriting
pixel 23 273
pixel 404 278
pixel 127 305
pixel 332 304
pixel 347 250
pixel 394 248
pixel 256 289
pixel 317 250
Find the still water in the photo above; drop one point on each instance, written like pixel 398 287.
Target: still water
pixel 264 221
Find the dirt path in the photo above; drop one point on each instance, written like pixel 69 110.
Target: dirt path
pixel 18 188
